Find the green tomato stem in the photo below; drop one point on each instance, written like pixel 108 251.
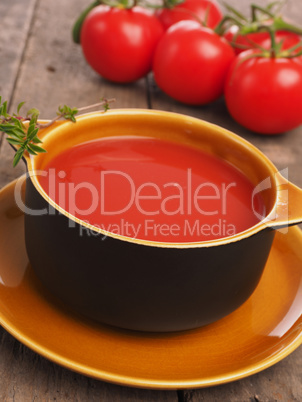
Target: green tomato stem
pixel 289 53
pixel 235 12
pixel 255 8
pixel 280 24
pixel 76 30
pixel 221 28
pixel 293 48
pixel 272 33
pixel 291 56
pixel 170 4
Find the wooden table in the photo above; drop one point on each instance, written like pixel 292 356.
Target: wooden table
pixel 40 64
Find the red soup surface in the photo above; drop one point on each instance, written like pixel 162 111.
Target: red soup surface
pixel 151 189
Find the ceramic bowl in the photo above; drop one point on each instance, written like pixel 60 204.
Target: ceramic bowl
pixel 145 285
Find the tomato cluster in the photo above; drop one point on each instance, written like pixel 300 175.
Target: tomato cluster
pixel 197 55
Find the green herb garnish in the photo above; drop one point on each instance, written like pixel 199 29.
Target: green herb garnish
pixel 24 137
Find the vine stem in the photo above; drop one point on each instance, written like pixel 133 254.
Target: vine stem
pixel 220 28
pixel 104 102
pixel 279 24
pixel 237 13
pixel 256 8
pixel 272 34
pixel 82 109
pixel 76 30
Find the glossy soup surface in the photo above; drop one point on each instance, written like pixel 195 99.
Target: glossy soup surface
pixel 151 189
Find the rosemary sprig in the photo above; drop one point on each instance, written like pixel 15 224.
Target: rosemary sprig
pixel 24 137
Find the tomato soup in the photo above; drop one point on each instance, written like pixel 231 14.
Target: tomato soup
pixel 151 189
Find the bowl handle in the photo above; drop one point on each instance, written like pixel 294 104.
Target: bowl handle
pixel 288 209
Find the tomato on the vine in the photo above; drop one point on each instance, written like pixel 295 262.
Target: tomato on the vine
pixel 207 11
pixel 262 38
pixel 264 94
pixel 119 43
pixel 191 63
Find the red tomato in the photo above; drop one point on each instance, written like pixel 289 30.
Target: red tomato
pixel 264 94
pixel 260 38
pixel 119 43
pixel 191 63
pixel 203 9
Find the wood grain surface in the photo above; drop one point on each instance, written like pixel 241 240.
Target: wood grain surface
pixel 40 64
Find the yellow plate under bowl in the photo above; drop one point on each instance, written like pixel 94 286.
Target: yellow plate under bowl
pixel 260 333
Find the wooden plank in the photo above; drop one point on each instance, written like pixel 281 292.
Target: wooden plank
pixel 16 18
pixel 15 24
pixel 25 376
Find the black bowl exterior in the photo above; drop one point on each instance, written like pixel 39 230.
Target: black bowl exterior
pixel 139 287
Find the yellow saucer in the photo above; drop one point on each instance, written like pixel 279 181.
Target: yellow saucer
pixel 260 333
